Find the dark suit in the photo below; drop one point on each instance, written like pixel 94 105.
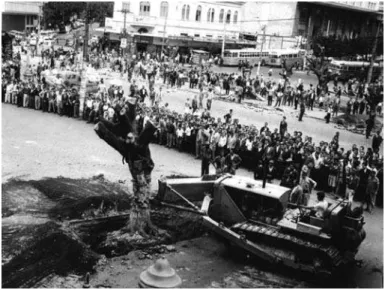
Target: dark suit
pixel 364 175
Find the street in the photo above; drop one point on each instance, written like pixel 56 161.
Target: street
pixel 37 145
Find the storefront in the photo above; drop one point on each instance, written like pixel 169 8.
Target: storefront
pixel 144 43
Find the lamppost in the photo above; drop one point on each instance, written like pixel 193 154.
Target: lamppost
pixel 224 36
pixel 164 32
pixel 125 11
pixel 260 54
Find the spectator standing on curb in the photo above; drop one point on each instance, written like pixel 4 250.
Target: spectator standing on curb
pixel 371 191
pixel 283 127
pixel 302 111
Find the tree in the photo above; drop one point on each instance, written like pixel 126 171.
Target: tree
pixel 57 12
pixel 319 65
pixel 135 151
pixel 375 95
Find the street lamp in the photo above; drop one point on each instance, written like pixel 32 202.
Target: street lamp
pixel 224 36
pixel 260 54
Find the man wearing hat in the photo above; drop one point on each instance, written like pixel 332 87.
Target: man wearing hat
pixel 206 159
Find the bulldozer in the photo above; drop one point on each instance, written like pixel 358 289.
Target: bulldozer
pixel 259 218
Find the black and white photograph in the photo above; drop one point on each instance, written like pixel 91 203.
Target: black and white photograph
pixel 192 144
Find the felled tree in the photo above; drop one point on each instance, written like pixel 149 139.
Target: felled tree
pixel 134 147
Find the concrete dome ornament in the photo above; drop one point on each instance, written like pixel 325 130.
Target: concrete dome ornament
pixel 160 275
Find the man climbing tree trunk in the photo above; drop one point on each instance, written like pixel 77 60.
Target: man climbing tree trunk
pixel 135 150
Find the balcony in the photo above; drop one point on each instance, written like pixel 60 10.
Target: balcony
pixel 22 7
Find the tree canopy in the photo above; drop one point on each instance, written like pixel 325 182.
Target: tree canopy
pixel 55 13
pixel 344 47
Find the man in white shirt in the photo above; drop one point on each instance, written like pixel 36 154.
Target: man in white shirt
pixel 59 102
pixel 249 144
pixel 8 93
pixel 159 96
pixel 321 206
pixel 179 137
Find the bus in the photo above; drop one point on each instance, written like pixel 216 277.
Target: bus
pixel 354 69
pixel 199 55
pixel 231 57
pixel 291 56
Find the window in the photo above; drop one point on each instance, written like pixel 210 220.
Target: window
pixel 163 9
pixel 196 35
pixel 235 17
pixel 186 12
pixel 210 15
pixel 221 14
pixel 209 35
pixel 144 8
pixel 198 13
pixel 126 6
pixel 228 16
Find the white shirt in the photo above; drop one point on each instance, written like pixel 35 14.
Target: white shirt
pixel 188 131
pixel 58 97
pixel 249 145
pixel 9 88
pixel 214 139
pixel 179 132
pixel 222 141
pixel 317 162
pixel 320 208
pixel 145 120
pixel 111 112
pixel 89 104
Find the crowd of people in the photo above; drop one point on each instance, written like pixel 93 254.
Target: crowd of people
pixel 270 152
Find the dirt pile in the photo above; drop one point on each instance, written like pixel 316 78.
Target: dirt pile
pixel 50 250
pixel 61 225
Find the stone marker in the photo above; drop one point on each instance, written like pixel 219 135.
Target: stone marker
pixel 160 275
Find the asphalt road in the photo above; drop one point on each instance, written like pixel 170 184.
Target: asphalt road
pixel 37 145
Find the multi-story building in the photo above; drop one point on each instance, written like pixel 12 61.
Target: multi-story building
pixel 307 19
pixel 203 24
pixel 186 24
pixel 21 16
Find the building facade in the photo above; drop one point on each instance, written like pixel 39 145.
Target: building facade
pixel 204 24
pixel 307 19
pixel 185 24
pixel 21 16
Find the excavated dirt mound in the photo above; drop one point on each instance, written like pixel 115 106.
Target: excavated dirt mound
pixel 62 225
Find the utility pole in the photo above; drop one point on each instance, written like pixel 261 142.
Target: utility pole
pixel 85 45
pixel 38 28
pixel 164 32
pixel 374 50
pixel 125 11
pixel 224 36
pixel 260 53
